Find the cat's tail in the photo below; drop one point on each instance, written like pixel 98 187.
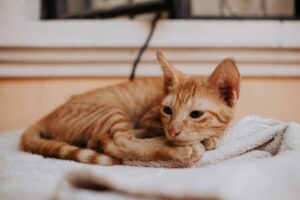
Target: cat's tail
pixel 32 141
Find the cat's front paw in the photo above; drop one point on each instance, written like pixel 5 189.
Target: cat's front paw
pixel 211 143
pixel 188 154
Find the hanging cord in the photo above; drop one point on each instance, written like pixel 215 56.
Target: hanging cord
pixel 145 46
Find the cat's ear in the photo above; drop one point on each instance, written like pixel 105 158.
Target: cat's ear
pixel 226 80
pixel 171 76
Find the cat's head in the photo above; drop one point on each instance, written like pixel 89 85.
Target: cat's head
pixel 196 108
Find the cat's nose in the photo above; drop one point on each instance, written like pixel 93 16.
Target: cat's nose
pixel 173 132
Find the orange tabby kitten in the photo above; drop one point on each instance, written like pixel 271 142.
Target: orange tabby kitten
pixel 102 126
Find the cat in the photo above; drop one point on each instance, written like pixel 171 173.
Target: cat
pixel 145 119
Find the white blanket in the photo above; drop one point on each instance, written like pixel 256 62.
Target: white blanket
pixel 258 159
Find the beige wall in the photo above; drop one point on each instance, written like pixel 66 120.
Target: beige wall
pixel 93 48
pixel 23 101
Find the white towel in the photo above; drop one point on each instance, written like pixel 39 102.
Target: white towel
pixel 258 159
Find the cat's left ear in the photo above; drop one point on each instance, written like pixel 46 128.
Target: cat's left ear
pixel 172 76
pixel 226 80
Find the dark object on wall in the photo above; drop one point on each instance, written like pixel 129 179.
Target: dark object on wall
pixel 52 9
pixel 57 9
pixel 297 8
pixel 145 46
pixel 175 9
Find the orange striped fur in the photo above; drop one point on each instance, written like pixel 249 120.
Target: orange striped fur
pixel 213 98
pixel 128 122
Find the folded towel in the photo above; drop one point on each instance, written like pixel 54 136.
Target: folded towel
pixel 257 159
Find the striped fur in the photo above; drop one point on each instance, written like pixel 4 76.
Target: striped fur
pixel 126 122
pixel 214 96
pixel 33 142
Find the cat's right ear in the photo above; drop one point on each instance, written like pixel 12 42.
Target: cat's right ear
pixel 171 76
pixel 226 80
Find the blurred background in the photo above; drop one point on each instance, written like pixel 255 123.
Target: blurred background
pixel 175 9
pixel 53 49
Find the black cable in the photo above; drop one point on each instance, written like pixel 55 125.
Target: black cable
pixel 145 46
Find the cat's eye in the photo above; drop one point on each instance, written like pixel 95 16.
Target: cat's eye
pixel 167 110
pixel 196 114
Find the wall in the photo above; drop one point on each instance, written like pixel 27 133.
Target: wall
pixel 23 101
pixel 42 63
pixel 33 81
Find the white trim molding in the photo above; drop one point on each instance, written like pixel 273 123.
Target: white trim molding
pixel 168 34
pixel 103 62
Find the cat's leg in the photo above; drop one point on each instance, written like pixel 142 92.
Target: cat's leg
pixel 211 142
pixel 158 148
pixel 122 143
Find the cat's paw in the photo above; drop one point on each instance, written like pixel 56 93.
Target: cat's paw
pixel 211 143
pixel 188 154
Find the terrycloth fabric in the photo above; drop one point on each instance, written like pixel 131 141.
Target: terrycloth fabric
pixel 240 142
pixel 258 159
